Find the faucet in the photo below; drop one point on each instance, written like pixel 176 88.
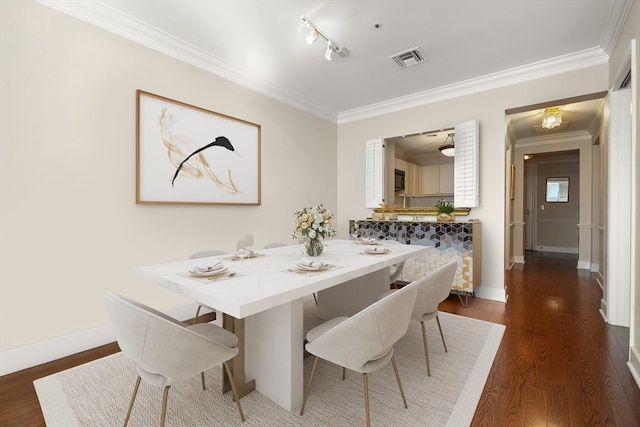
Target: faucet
pixel 404 200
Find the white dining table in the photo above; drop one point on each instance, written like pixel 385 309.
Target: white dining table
pixel 263 304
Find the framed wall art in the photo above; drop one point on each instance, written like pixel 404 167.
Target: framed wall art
pixel 189 155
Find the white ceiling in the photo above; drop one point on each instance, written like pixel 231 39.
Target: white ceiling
pixel 469 46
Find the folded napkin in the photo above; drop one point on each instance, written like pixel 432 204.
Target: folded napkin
pixel 377 249
pixel 208 267
pixel 310 263
pixel 247 252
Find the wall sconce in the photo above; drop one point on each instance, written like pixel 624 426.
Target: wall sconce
pixel 551 118
pixel 332 46
pixel 448 149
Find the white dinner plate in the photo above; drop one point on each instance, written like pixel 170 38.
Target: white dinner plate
pixel 209 273
pixel 377 250
pixel 307 267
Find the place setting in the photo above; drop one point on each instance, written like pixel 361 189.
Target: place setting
pixel 243 253
pixel 209 273
pixel 376 250
pixel 310 267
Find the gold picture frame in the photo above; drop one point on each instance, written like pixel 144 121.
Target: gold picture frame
pixel 189 155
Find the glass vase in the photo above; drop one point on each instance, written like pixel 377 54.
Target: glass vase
pixel 313 247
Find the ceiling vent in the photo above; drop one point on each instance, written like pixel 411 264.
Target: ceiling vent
pixel 408 58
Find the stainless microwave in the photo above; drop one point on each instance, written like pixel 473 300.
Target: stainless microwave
pixel 399 180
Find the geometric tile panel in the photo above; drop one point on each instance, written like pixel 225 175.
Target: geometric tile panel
pixel 448 241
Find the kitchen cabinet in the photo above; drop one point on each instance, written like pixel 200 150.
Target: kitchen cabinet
pixel 446 178
pixel 436 179
pixel 413 179
pixel 412 176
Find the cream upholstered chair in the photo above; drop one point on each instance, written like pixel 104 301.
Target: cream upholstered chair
pixel 395 273
pixel 395 270
pixel 166 350
pixel 205 254
pixel 433 289
pixel 364 342
pixel 274 245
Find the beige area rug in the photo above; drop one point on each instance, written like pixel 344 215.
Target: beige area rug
pixel 97 393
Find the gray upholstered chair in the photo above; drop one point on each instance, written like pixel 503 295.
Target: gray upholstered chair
pixel 364 342
pixel 433 289
pixel 166 350
pixel 205 254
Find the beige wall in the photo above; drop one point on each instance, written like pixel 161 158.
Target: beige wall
pixel 489 109
pixel 69 223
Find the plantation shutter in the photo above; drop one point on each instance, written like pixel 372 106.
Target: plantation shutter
pixel 466 165
pixel 374 181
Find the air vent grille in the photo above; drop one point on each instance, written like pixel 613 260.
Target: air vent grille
pixel 408 58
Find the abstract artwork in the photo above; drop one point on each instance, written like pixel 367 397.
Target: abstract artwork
pixel 189 155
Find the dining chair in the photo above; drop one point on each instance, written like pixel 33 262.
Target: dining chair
pixel 166 350
pixel 395 271
pixel 245 242
pixel 205 254
pixel 363 342
pixel 433 288
pixel 274 245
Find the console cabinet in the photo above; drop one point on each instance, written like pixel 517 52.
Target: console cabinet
pixel 461 241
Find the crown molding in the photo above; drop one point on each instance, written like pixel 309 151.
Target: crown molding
pixel 103 16
pixel 563 64
pixel 108 18
pixel 561 138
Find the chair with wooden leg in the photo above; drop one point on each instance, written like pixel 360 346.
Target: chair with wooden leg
pixel 434 288
pixel 166 350
pixel 364 342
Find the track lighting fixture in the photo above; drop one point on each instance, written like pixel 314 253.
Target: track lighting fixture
pixel 332 46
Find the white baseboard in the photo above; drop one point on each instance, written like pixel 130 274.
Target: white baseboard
pixel 491 293
pixel 634 364
pixel 17 359
pixel 557 249
pixel 519 259
pixel 583 265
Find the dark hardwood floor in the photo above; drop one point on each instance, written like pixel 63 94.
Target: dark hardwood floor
pixel 558 364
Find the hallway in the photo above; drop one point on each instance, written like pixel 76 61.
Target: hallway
pixel 559 363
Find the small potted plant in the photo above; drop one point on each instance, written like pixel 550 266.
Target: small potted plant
pixel 445 211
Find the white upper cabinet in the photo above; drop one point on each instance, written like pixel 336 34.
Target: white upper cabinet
pixel 436 179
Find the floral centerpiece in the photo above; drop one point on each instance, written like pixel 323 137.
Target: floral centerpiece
pixel 314 224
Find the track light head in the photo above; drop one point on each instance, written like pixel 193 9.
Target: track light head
pixel 313 36
pixel 332 46
pixel 328 54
